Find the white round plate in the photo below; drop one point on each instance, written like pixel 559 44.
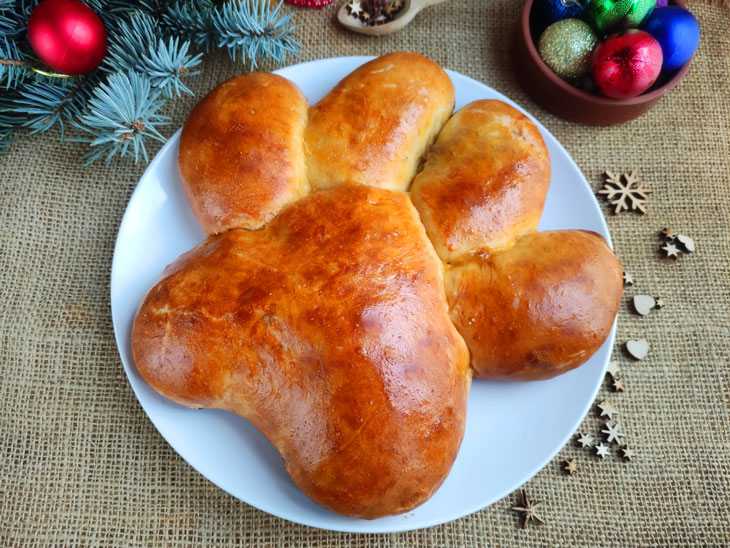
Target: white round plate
pixel 512 431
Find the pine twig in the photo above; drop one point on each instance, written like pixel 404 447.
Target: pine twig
pixel 137 46
pixel 253 30
pixel 13 64
pixel 122 113
pixel 49 103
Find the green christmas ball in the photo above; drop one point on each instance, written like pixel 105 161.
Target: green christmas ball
pixel 610 15
pixel 566 47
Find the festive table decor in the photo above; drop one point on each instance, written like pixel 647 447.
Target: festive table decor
pixel 380 17
pixel 570 466
pixel 638 349
pixel 526 507
pixel 107 78
pixel 644 304
pixel 625 192
pixel 651 42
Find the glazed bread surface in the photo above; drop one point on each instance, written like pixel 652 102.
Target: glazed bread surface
pixel 484 181
pixel 539 309
pixel 375 125
pixel 331 334
pixel 241 157
pixel 338 316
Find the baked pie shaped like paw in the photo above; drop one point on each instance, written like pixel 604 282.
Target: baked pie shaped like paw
pixel 365 256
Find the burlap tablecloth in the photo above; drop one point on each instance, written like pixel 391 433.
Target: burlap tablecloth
pixel 81 464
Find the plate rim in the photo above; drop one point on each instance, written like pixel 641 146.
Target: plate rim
pixel 404 525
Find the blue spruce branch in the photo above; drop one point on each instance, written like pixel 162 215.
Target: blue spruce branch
pixel 121 114
pixel 192 20
pixel 138 46
pixel 253 30
pixel 13 64
pixel 46 104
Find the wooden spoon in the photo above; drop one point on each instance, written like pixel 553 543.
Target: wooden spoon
pixel 404 16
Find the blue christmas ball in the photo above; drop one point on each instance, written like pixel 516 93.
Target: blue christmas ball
pixel 549 11
pixel 677 32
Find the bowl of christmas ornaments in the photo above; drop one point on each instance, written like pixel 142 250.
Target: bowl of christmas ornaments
pixel 603 62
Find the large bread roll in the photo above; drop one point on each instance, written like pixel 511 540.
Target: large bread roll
pixel 331 334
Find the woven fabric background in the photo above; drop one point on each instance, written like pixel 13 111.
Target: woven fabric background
pixel 81 464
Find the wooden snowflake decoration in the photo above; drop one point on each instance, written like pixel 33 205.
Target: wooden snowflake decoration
pixel 613 433
pixel 526 509
pixel 625 192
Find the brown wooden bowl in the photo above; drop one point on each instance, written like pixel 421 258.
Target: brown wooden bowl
pixel 570 102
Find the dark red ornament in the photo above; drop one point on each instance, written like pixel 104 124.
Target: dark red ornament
pixel 319 4
pixel 627 64
pixel 67 36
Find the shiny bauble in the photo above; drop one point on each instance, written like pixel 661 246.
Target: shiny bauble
pixel 627 64
pixel 549 11
pixel 610 15
pixel 661 3
pixel 67 36
pixel 566 47
pixel 677 32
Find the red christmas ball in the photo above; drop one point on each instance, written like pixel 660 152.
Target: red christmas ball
pixel 67 36
pixel 627 64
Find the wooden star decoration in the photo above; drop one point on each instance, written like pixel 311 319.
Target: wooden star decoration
pixel 671 251
pixel 625 192
pixel 354 8
pixel 627 453
pixel 613 369
pixel 527 508
pixel 570 466
pixel 618 385
pixel 668 233
pixel 585 440
pixel 607 409
pixel 613 433
pixel 602 450
pixel 628 280
pixel 659 302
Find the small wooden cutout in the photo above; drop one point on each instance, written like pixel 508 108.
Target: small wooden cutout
pixel 607 409
pixel 638 349
pixel 613 433
pixel 644 304
pixel 585 440
pixel 601 450
pixel 668 233
pixel 613 369
pixel 526 508
pixel 671 251
pixel 618 385
pixel 625 192
pixel 685 243
pixel 627 453
pixel 570 466
pixel 628 280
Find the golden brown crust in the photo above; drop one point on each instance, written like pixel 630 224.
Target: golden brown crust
pixel 241 157
pixel 331 334
pixel 484 181
pixel 539 309
pixel 375 125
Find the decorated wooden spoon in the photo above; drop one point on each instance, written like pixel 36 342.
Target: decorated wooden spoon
pixel 402 18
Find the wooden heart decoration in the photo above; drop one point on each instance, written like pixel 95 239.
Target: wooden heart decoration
pixel 644 304
pixel 638 349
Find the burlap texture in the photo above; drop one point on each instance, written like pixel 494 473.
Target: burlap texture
pixel 81 464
